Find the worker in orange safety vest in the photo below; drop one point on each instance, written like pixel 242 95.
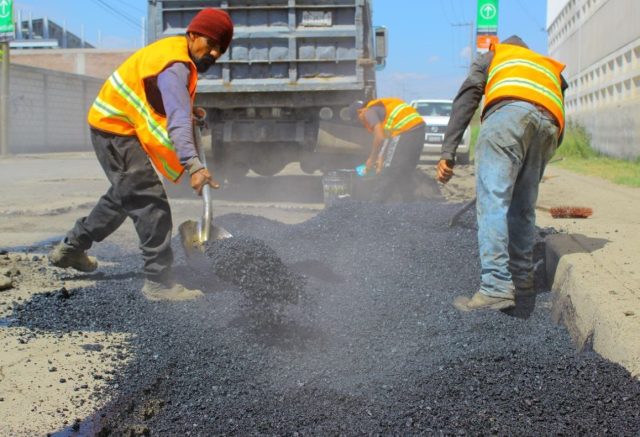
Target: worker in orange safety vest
pixel 522 126
pixel 398 138
pixel 141 123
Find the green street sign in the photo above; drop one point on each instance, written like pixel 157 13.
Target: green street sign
pixel 487 15
pixel 6 17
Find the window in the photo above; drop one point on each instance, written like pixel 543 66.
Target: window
pixel 434 109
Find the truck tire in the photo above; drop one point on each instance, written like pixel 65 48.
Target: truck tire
pixel 235 173
pixel 270 161
pixel 309 162
pixel 269 166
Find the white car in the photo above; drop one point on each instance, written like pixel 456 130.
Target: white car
pixel 435 114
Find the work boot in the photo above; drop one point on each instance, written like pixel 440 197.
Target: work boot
pixel 168 290
pixel 64 255
pixel 481 301
pixel 524 288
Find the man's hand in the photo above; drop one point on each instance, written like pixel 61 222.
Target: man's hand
pixel 370 164
pixel 444 170
pixel 379 164
pixel 201 178
pixel 200 116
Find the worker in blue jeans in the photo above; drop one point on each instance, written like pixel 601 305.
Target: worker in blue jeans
pixel 522 125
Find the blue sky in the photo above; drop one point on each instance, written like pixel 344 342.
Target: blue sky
pixel 428 56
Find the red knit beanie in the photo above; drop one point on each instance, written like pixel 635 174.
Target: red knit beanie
pixel 214 23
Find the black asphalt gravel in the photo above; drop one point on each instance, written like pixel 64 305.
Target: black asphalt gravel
pixel 256 268
pixel 372 345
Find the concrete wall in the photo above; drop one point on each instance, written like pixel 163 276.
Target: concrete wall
pixel 48 110
pixel 88 62
pixel 599 41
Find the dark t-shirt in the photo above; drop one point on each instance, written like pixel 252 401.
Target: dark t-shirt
pixel 375 115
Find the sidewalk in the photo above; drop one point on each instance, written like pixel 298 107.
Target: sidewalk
pixel 593 264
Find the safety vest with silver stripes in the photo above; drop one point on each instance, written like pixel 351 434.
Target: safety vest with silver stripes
pixel 122 107
pixel 519 73
pixel 399 116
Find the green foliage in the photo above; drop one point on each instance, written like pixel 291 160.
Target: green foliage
pixel 578 156
pixel 576 143
pixel 475 130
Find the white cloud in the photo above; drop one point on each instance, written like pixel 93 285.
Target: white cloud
pixel 433 59
pixel 465 53
pixel 406 76
pixel 414 85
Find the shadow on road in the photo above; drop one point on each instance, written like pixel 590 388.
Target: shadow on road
pixel 578 243
pixel 284 188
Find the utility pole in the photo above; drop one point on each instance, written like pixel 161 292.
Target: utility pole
pixel 143 36
pixel 4 98
pixel 470 25
pixel 7 30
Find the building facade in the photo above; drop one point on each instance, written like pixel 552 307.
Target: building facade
pixel 42 33
pixel 599 41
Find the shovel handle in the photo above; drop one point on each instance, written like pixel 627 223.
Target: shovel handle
pixel 205 222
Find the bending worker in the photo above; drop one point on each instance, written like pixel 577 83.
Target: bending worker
pixel 398 137
pixel 141 120
pixel 522 125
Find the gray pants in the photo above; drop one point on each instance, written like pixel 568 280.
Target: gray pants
pixel 136 192
pixel 400 162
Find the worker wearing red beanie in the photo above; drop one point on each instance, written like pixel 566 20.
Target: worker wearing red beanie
pixel 142 119
pixel 209 35
pixel 215 24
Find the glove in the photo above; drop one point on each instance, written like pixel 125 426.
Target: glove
pixel 201 178
pixel 444 170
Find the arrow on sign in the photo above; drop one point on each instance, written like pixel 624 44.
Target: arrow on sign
pixel 488 12
pixel 5 8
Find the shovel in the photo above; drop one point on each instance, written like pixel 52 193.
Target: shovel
pixel 194 235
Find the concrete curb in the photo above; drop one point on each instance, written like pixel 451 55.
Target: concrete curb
pixel 596 307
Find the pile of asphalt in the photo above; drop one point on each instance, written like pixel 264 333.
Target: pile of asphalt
pixel 374 347
pixel 256 269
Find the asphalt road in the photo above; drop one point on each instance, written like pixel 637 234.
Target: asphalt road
pixel 370 345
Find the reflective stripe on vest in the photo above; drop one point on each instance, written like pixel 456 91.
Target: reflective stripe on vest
pixel 399 116
pixel 122 107
pixel 520 73
pixel 109 111
pixel 396 125
pixel 140 106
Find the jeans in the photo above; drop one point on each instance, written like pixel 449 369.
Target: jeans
pixel 135 192
pixel 515 144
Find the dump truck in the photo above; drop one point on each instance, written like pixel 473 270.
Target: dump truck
pixel 279 94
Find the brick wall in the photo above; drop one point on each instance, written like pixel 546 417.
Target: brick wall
pixel 48 110
pixel 88 62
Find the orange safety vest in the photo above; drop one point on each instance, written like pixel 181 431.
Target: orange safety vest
pixel 399 116
pixel 122 107
pixel 520 73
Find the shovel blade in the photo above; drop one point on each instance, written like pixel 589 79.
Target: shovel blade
pixel 193 247
pixel 190 237
pixel 218 233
